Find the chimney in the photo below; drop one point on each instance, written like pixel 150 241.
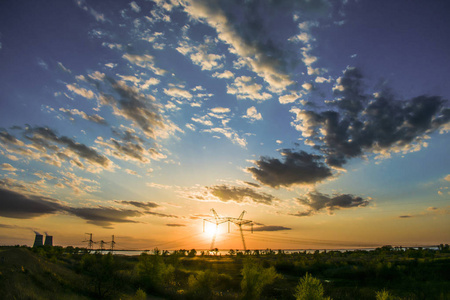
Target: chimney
pixel 48 240
pixel 38 240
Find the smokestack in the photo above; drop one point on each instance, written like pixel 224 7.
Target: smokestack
pixel 48 240
pixel 38 240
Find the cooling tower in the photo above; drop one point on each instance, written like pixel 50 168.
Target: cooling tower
pixel 48 240
pixel 38 240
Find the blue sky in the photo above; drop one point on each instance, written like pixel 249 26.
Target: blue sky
pixel 327 121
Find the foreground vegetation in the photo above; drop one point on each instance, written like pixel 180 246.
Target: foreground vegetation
pixel 73 273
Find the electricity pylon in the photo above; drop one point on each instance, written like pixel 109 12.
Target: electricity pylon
pixel 90 241
pixel 112 245
pixel 219 220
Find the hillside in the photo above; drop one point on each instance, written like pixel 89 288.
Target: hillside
pixel 26 275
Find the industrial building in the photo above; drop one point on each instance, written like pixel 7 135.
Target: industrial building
pixel 38 240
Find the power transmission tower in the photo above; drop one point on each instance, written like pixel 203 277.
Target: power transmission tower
pixel 90 241
pixel 112 244
pixel 217 220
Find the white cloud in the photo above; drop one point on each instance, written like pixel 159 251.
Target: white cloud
pixel 80 91
pixel 178 93
pixel 135 7
pixel 289 98
pixel 8 167
pixel 252 114
pixel 226 75
pixel 245 88
pixel 203 120
pixel 144 61
pixel 201 55
pixel 220 110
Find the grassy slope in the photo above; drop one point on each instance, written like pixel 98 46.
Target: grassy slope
pixel 25 275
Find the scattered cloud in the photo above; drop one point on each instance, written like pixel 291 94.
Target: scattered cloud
pixel 238 194
pixel 7 167
pixel 75 112
pixel 143 205
pixel 244 87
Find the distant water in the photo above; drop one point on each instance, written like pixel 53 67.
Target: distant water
pixel 227 251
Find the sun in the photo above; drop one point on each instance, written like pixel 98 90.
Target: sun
pixel 211 230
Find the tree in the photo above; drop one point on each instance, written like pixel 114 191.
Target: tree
pixel 192 253
pixel 201 285
pixel 152 272
pixel 103 271
pixel 309 288
pixel 255 278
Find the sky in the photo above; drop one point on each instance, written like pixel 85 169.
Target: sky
pixel 327 122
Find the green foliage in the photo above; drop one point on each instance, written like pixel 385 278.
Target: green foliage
pixel 255 278
pixel 103 271
pixel 192 253
pixel 309 288
pixel 200 285
pixel 140 295
pixel 384 295
pixel 152 273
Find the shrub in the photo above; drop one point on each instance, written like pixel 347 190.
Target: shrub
pixel 255 278
pixel 200 285
pixel 309 288
pixel 384 295
pixel 152 273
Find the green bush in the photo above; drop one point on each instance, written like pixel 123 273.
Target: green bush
pixel 309 288
pixel 200 285
pixel 384 295
pixel 255 278
pixel 152 273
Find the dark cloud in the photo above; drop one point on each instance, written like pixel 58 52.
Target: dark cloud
pixel 93 118
pixel 160 214
pixel 132 105
pixel 45 138
pixel 367 124
pixel 7 138
pixel 316 201
pixel 405 217
pixel 104 216
pixel 238 194
pixel 297 168
pixel 175 225
pixel 144 205
pixel 252 184
pixel 129 149
pixel 21 206
pixel 270 228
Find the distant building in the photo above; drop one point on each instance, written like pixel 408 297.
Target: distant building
pixel 38 240
pixel 48 240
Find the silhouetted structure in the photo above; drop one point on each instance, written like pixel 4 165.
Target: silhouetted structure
pixel 38 240
pixel 48 240
pixel 219 220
